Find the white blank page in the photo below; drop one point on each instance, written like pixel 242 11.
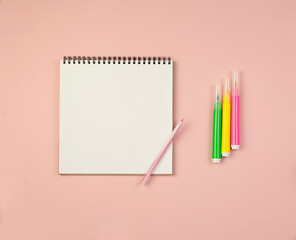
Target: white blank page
pixel 115 118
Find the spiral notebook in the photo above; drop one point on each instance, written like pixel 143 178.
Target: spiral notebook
pixel 115 114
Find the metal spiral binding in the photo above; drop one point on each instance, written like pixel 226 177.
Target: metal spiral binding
pixel 116 60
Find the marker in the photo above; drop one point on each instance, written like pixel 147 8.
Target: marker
pixel 217 121
pixel 235 111
pixel 226 109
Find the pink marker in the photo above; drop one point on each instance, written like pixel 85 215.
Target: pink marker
pixel 235 144
pixel 154 164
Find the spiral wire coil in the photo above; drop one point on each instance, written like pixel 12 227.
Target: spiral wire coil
pixel 116 60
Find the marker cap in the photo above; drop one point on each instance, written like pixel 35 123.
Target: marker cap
pixel 235 147
pixel 227 86
pixel 235 83
pixel 218 93
pixel 226 154
pixel 216 160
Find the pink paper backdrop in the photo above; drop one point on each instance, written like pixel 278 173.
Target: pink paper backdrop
pixel 251 195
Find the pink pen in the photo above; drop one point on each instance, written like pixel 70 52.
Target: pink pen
pixel 235 144
pixel 173 134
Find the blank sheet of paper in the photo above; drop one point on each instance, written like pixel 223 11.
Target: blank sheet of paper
pixel 115 117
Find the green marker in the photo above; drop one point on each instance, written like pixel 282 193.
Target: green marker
pixel 217 125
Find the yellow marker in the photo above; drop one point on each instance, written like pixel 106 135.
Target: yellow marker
pixel 226 109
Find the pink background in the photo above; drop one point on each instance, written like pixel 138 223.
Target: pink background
pixel 251 195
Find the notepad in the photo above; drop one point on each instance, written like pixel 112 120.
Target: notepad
pixel 115 115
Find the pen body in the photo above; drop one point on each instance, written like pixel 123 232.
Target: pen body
pixel 225 151
pixel 217 122
pixel 235 142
